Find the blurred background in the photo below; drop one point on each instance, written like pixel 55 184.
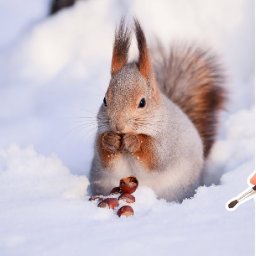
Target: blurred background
pixel 55 67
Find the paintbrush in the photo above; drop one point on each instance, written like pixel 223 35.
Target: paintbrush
pixel 245 195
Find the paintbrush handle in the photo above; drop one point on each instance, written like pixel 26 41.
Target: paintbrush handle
pixel 247 193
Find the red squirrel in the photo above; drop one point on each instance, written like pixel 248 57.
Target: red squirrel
pixel 158 119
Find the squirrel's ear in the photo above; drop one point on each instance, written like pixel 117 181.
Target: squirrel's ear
pixel 121 47
pixel 144 63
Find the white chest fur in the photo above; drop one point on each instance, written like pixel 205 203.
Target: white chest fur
pixel 176 182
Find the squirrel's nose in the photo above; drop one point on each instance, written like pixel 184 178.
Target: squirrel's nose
pixel 119 127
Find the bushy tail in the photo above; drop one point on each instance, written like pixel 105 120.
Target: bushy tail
pixel 192 78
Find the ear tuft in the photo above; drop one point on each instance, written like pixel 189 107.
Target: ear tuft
pixel 121 47
pixel 144 63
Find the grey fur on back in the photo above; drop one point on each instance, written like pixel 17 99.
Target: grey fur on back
pixel 193 79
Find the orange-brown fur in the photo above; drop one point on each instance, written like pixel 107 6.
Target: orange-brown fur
pixel 146 154
pixel 144 63
pixel 121 48
pixel 111 145
pixel 108 145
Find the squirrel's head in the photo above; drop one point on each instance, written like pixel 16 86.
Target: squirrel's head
pixel 133 95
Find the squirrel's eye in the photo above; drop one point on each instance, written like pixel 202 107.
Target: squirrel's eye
pixel 105 102
pixel 142 103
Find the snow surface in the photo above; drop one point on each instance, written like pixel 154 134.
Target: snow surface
pixel 54 73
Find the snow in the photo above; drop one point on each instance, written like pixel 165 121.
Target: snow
pixel 54 73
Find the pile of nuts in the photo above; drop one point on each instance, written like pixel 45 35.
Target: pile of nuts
pixel 124 193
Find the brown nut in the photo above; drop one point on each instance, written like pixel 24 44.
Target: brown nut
pixel 98 198
pixel 110 203
pixel 125 211
pixel 115 190
pixel 128 198
pixel 129 184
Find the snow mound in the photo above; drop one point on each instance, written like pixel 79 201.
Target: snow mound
pixel 25 174
pixel 45 211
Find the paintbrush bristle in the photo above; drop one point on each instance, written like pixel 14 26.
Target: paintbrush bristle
pixel 233 204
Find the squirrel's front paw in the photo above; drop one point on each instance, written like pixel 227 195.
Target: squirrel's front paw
pixel 111 141
pixel 131 143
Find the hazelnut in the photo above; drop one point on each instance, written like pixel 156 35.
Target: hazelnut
pixel 128 198
pixel 129 184
pixel 125 211
pixel 110 203
pixel 115 190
